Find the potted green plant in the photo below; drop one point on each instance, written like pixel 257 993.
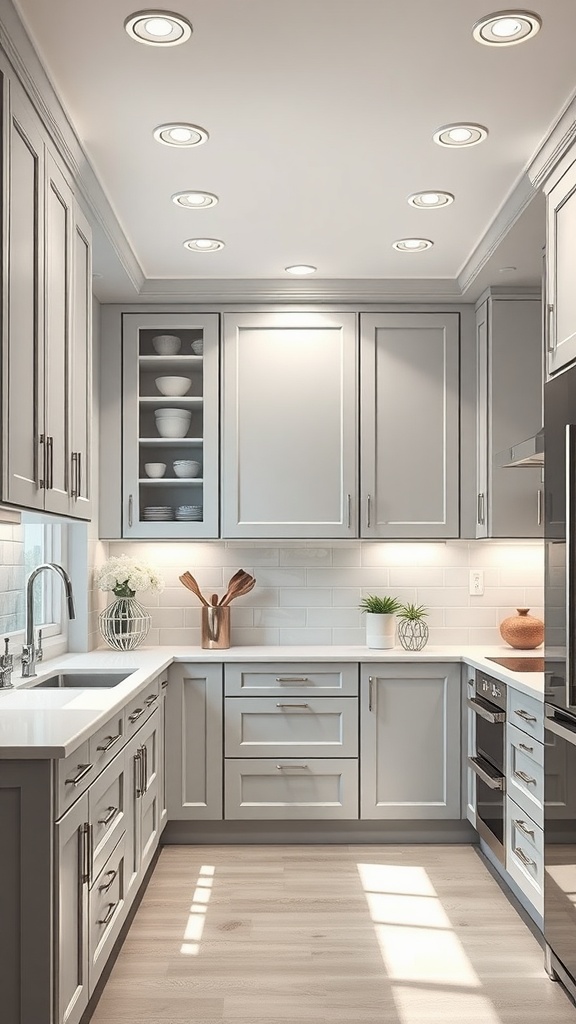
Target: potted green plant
pixel 412 630
pixel 380 620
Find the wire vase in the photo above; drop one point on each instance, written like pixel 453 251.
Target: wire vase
pixel 124 624
pixel 412 634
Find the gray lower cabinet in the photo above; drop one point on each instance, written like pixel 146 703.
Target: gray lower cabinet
pixel 194 742
pixel 303 788
pixel 410 741
pixel 72 880
pixel 410 422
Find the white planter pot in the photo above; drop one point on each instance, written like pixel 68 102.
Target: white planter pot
pixel 380 630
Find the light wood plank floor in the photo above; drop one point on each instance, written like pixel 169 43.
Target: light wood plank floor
pixel 328 935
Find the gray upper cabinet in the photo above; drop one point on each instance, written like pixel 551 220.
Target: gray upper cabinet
pixel 509 410
pixel 144 443
pixel 560 291
pixel 409 425
pixel 47 326
pixel 289 425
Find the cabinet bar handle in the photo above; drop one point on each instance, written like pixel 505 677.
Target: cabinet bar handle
pixel 84 853
pixel 144 749
pixel 522 856
pixel 349 510
pixel 539 506
pixel 291 705
pixel 150 700
pixel 370 693
pixel 84 771
pixel 79 474
pixel 286 767
pixel 521 825
pixel 74 475
pixel 480 510
pixel 523 746
pixel 42 461
pixel 525 778
pixel 551 339
pixel 111 875
pixel 50 454
pixel 525 715
pixel 369 510
pixel 108 915
pixel 292 679
pixel 138 772
pixel 112 812
pixel 130 510
pixel 136 714
pixel 112 741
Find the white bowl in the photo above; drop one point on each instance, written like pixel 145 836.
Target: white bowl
pixel 173 414
pixel 172 428
pixel 155 469
pixel 198 346
pixel 186 470
pixel 173 387
pixel 166 344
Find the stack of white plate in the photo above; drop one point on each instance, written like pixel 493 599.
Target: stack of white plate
pixel 157 513
pixel 189 513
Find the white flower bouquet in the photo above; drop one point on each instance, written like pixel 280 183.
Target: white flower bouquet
pixel 124 576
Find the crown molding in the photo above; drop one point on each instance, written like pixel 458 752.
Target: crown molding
pixel 555 147
pixel 272 290
pixel 27 66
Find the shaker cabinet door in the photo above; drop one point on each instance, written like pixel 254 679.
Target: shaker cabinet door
pixel 410 425
pixel 560 291
pixel 289 425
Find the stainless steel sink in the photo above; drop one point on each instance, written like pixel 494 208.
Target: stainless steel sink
pixel 89 680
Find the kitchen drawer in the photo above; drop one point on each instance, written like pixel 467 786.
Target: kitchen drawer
pixel 293 727
pixel 107 909
pixel 73 776
pixel 525 772
pixel 325 788
pixel 525 854
pixel 526 713
pixel 292 679
pixel 107 797
pixel 108 741
pixel 139 709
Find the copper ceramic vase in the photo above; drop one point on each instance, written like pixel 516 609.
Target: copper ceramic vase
pixel 522 631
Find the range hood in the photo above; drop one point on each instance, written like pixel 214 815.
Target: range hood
pixel 527 453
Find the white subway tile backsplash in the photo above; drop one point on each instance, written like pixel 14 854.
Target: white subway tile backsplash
pixel 417 576
pixel 472 617
pixel 306 597
pixel 306 556
pixel 334 618
pixel 287 617
pixel 283 577
pixel 305 636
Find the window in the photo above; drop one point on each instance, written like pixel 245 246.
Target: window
pixel 23 547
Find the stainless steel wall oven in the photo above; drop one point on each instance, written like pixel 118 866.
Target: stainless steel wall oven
pixel 488 763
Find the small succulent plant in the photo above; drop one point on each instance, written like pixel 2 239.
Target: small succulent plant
pixel 380 605
pixel 413 612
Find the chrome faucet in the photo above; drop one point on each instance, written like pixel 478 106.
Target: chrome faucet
pixel 6 667
pixel 30 652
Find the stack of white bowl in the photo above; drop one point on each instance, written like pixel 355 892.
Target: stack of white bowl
pixel 186 468
pixel 173 387
pixel 189 513
pixel 166 344
pixel 172 422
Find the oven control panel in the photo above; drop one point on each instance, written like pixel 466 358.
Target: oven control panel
pixel 491 689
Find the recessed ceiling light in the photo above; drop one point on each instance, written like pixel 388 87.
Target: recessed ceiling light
pixel 460 134
pixel 412 244
pixel 158 28
pixel 180 134
pixel 430 200
pixel 505 28
pixel 300 269
pixel 203 244
pixel 195 200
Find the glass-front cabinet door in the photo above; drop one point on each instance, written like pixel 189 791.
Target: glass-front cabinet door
pixel 170 425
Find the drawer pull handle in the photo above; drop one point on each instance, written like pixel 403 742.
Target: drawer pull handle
pixel 524 747
pixel 85 769
pixel 150 700
pixel 108 915
pixel 110 875
pixel 292 679
pixel 112 741
pixel 136 714
pixel 525 778
pixel 285 767
pixel 292 705
pixel 522 827
pixel 112 812
pixel 525 715
pixel 524 858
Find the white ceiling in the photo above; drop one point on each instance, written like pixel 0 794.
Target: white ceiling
pixel 321 115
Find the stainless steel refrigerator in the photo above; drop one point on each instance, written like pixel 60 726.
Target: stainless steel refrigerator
pixel 560 678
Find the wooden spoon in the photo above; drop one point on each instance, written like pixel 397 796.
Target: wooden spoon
pixel 233 582
pixel 239 590
pixel 214 600
pixel 190 583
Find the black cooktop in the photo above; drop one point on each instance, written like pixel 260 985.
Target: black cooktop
pixel 520 664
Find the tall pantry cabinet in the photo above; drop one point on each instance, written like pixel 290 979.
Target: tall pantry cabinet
pixel 46 318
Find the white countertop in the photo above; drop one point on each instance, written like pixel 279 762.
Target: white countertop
pixel 48 723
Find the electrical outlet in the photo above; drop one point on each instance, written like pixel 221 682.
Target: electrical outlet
pixel 476 584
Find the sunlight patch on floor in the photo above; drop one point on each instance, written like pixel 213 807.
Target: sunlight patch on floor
pixel 197 915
